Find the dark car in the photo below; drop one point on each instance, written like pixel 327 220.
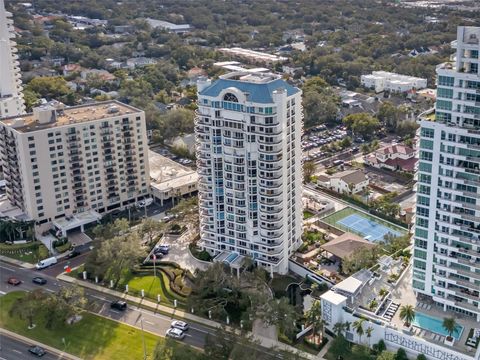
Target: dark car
pixel 156 255
pixel 37 351
pixel 39 280
pixel 73 254
pixel 119 305
pixel 13 281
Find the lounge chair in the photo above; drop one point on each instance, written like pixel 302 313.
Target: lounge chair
pixel 429 307
pixel 432 336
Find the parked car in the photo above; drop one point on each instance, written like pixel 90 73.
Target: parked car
pixel 42 264
pixel 39 280
pixel 162 249
pixel 118 305
pixel 168 218
pixel 145 202
pixel 175 333
pixel 182 325
pixel 73 253
pixel 14 281
pixel 157 256
pixel 37 351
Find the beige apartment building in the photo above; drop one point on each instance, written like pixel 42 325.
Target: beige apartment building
pixel 68 165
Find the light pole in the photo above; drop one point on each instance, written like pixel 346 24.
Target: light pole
pixel 143 340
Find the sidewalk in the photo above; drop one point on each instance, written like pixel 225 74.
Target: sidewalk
pixel 264 341
pixel 28 341
pixel 16 262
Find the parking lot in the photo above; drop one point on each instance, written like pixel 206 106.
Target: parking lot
pixel 314 142
pixel 167 153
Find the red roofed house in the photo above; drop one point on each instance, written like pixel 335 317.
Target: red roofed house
pixel 393 157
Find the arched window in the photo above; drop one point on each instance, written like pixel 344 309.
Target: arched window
pixel 230 97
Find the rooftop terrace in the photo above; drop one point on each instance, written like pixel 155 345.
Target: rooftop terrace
pixel 59 115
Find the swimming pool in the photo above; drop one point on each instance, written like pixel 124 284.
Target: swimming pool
pixel 435 325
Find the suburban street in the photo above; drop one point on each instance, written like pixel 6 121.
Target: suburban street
pixel 153 322
pixel 14 349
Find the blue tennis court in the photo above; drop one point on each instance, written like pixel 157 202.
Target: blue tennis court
pixel 369 229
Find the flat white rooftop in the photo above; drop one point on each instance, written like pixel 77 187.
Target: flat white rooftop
pixel 349 285
pixel 167 174
pixel 333 297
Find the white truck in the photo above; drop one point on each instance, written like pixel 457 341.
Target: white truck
pixel 42 264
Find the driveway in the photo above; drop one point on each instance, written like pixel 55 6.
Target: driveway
pixel 180 254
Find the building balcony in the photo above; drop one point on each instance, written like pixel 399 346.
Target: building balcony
pixel 270 202
pixel 458 302
pixel 465 293
pixel 469 274
pixel 457 281
pixel 271 211
pixel 469 251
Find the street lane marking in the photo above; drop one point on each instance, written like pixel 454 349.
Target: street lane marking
pixel 7 268
pixel 149 322
pixel 98 297
pixel 160 316
pixel 17 351
pixel 50 290
pixel 115 311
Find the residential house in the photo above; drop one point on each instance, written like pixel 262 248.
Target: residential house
pixel 349 181
pixel 141 61
pixel 393 157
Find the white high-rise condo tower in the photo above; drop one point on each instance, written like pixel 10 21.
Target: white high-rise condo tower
pixel 11 97
pixel 249 159
pixel 446 264
pixel 68 165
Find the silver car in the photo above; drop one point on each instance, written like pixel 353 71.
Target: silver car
pixel 177 324
pixel 175 333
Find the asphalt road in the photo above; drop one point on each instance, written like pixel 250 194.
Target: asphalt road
pixel 100 304
pixel 62 263
pixel 13 349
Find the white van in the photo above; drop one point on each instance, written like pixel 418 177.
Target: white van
pixel 42 264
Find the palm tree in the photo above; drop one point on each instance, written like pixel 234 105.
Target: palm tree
pixel 450 325
pixel 347 325
pixel 338 328
pixel 407 314
pixel 358 326
pixel 369 333
pixel 314 318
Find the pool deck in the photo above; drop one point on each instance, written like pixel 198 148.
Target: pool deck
pixel 404 295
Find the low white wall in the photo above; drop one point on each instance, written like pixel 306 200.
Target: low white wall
pixel 303 271
pixel 395 339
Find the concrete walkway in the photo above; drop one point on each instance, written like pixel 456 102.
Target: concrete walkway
pixel 16 262
pixel 61 354
pixel 180 253
pixel 264 341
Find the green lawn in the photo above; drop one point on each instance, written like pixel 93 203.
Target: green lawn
pixel 93 337
pixel 307 214
pixel 153 286
pixel 30 252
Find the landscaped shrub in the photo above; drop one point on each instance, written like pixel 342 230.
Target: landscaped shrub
pixel 65 247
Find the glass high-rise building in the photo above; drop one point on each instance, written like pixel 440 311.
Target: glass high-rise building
pixel 446 263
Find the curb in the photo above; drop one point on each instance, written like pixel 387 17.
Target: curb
pixel 267 343
pixel 16 262
pixel 28 341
